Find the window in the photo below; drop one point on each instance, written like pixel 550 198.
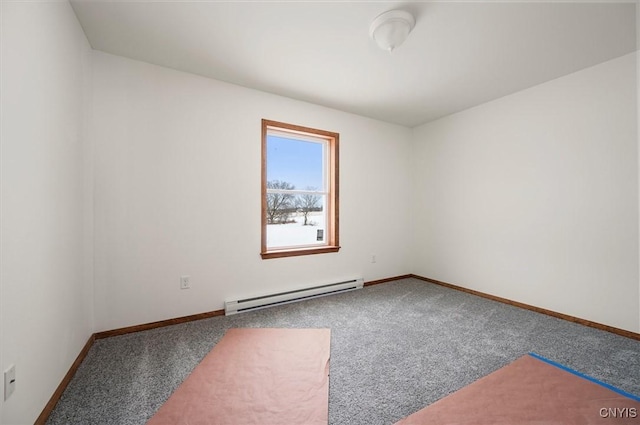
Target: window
pixel 299 190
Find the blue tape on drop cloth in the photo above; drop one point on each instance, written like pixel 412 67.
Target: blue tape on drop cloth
pixel 587 377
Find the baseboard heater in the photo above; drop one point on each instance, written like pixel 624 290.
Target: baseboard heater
pixel 256 303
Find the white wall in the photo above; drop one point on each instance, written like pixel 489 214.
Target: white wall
pixel 177 191
pixel 47 302
pixel 534 197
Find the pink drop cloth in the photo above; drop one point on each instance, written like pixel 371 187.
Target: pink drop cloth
pixel 256 376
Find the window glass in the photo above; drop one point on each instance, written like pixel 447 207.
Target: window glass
pixel 299 189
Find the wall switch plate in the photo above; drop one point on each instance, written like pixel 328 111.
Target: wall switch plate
pixel 373 258
pixel 185 282
pixel 9 381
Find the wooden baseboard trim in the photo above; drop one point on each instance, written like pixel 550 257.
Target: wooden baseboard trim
pixel 158 324
pixel 48 409
pixel 46 412
pixel 200 316
pixel 585 322
pixel 388 279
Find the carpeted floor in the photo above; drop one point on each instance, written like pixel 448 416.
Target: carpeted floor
pixel 395 348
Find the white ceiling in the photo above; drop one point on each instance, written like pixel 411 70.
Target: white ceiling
pixel 459 54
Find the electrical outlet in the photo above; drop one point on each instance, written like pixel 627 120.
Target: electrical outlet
pixel 373 258
pixel 185 282
pixel 9 381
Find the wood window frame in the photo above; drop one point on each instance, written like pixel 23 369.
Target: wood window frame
pixel 332 227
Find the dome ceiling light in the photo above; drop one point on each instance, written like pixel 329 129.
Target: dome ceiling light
pixel 391 29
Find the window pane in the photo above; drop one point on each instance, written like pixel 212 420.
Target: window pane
pixel 299 190
pixel 303 222
pixel 295 162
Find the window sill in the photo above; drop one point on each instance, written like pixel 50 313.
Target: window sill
pixel 298 252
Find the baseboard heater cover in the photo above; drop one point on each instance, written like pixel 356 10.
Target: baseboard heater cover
pixel 256 303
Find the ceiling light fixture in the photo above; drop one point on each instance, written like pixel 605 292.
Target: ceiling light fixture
pixel 391 29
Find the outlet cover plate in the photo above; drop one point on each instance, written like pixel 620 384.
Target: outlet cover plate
pixel 185 282
pixel 9 381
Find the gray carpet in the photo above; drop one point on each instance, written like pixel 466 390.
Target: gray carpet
pixel 395 348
